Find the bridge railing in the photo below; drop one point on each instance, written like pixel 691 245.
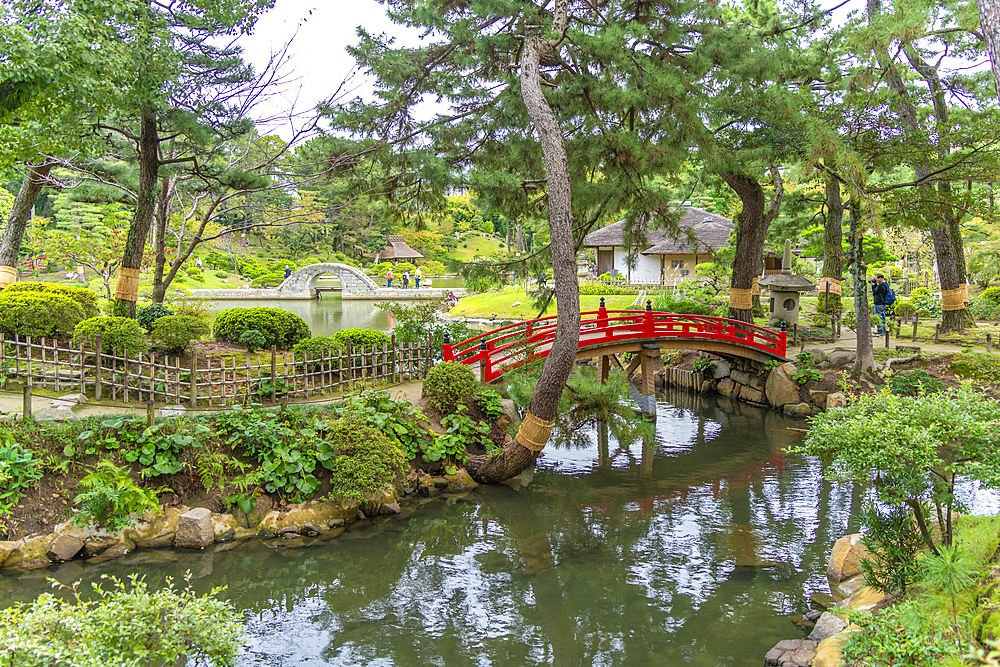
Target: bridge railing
pixel 504 349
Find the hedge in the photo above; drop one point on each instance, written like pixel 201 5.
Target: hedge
pixel 39 314
pixel 175 332
pixel 81 295
pixel 362 337
pixel 279 327
pixel 118 334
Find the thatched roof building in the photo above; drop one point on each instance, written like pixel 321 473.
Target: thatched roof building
pixel 396 250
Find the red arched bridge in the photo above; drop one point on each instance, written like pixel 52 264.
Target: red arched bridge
pixel 608 333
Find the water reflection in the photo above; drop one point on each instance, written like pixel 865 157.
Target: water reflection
pixel 324 316
pixel 689 547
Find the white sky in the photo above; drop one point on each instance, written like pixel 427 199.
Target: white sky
pixel 325 28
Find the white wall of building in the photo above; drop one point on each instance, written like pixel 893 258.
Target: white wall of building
pixel 647 268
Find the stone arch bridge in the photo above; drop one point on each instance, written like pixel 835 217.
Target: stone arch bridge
pixel 303 281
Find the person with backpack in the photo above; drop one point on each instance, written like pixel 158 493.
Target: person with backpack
pixel 388 278
pixel 882 296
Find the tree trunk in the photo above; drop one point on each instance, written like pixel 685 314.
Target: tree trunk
pixel 833 240
pixel 859 276
pixel 751 232
pixel 545 399
pixel 20 215
pixel 989 21
pixel 162 218
pixel 135 242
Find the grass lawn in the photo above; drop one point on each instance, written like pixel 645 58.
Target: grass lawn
pixel 502 305
pixel 477 246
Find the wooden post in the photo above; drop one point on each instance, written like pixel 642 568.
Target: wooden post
pixel 26 405
pixel 795 334
pixel 605 368
pixel 194 379
pixel 887 338
pixel 937 333
pixel 274 374
pixel 484 357
pixel 98 361
pixel 350 362
pixel 150 413
pixel 648 358
pixel 989 342
pixel 915 318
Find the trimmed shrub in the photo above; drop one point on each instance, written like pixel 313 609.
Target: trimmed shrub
pixel 221 274
pixel 279 327
pixel 449 385
pixel 81 295
pixel 362 459
pixel 118 334
pixel 146 315
pixel 253 339
pixel 175 332
pixel 38 315
pixel 192 271
pixel 361 337
pixel 269 279
pixel 318 348
pixel 992 295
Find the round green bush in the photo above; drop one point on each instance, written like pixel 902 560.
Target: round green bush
pixel 81 295
pixel 175 332
pixel 904 309
pixel 38 314
pixel 269 279
pixel 362 337
pixel 279 327
pixel 317 348
pixel 448 385
pixel 991 295
pixel 221 274
pixel 192 271
pixel 118 334
pixel 146 315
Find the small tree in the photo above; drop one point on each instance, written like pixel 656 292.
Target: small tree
pixel 913 449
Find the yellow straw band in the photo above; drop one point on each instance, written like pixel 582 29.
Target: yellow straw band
pixel 836 287
pixel 8 276
pixel 127 287
pixel 740 299
pixel 534 432
pixel 953 299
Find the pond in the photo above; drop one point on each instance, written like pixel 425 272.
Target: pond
pixel 690 549
pixel 325 316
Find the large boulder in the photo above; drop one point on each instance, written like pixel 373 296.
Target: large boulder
pixel 842 358
pixel 752 395
pixel 194 529
pixel 64 547
pixel 722 369
pixel 315 512
pixel 818 354
pixel 828 625
pixel 158 531
pixel 845 559
pixel 726 387
pixel 780 388
pixel 797 410
pixel 836 400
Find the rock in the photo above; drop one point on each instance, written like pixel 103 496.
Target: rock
pixel 265 534
pixel 316 512
pixel 440 483
pixel 836 400
pixel 70 401
pixel 791 653
pixel 515 304
pixel 822 600
pixel 95 546
pixel 799 410
pixel 55 415
pixel 172 411
pixel 335 523
pixel 842 358
pixel 780 389
pixel 819 398
pixel 848 588
pixel 747 379
pixel 390 508
pixel 361 516
pixel 408 490
pixel 64 547
pixel 294 530
pixel 117 551
pixel 803 622
pixel 828 625
pixel 256 515
pixel 865 599
pixel 425 489
pixel 752 395
pixel 158 532
pixel 309 530
pixel 6 549
pixel 194 529
pixel 227 536
pixel 722 369
pixel 707 387
pixel 818 354
pixel 726 387
pixel 462 480
pixel 812 615
pixel 845 559
pixel 828 652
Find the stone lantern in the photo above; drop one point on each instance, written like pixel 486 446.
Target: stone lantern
pixel 785 288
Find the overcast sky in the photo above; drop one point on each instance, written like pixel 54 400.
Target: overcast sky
pixel 324 28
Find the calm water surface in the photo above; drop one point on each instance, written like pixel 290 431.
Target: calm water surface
pixel 325 316
pixel 690 550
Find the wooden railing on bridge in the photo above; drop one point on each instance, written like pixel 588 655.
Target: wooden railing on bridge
pixel 514 345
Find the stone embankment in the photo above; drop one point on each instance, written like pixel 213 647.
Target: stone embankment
pixel 829 628
pixel 199 528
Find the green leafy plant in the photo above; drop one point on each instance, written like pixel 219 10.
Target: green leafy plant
pixel 489 404
pixel 894 543
pixel 911 383
pixel 362 337
pixel 38 314
pixel 109 498
pixel 362 460
pixel 950 573
pixel 119 334
pixel 316 350
pixel 279 327
pixel 147 315
pixel 268 385
pixel 448 385
pixel 463 431
pixel 253 340
pixel 702 364
pixel 175 332
pixel 19 470
pixel 771 365
pixel 805 371
pixel 976 366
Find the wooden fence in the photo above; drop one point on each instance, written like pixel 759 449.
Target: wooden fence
pixel 209 381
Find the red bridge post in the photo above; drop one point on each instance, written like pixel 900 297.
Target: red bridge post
pixel 448 354
pixel 485 367
pixel 648 330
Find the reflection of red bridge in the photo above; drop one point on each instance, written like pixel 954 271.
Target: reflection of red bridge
pixel 608 333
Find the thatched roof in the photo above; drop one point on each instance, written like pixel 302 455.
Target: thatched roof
pixel 396 249
pixel 699 231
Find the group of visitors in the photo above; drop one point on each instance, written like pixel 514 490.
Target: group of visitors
pixel 417 275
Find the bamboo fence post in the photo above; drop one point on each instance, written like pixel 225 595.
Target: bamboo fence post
pixel 98 361
pixel 274 375
pixel 194 379
pixel 83 385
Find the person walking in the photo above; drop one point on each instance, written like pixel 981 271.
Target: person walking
pixel 417 276
pixel 288 271
pixel 388 278
pixel 406 279
pixel 197 263
pixel 879 291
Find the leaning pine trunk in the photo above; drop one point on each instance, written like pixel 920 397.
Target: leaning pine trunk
pixel 866 356
pixel 833 244
pixel 20 215
pixel 535 429
pixel 750 233
pixel 126 289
